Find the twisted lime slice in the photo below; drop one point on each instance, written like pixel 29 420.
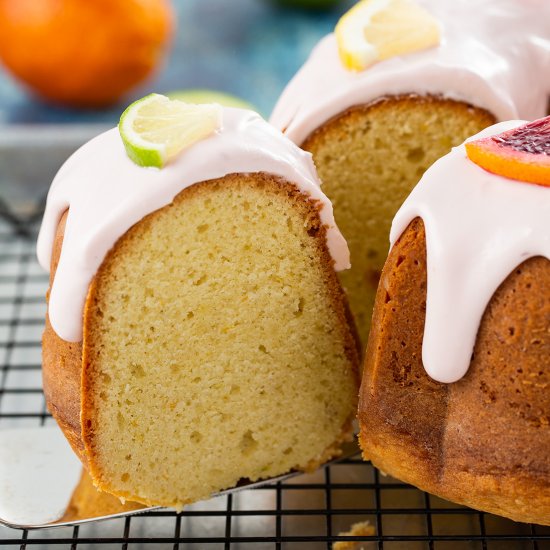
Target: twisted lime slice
pixel 156 129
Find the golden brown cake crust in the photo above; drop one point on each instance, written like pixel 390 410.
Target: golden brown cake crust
pixel 87 502
pixel 62 367
pixel 483 441
pixel 401 102
pixel 64 379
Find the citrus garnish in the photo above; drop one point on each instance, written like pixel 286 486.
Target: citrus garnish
pixel 378 29
pixel 155 129
pixel 79 64
pixel 522 153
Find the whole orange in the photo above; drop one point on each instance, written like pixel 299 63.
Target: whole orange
pixel 83 53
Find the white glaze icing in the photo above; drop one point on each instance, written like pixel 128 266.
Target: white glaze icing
pixel 479 228
pixel 107 193
pixel 494 54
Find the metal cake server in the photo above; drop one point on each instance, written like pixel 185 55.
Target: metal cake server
pixel 41 479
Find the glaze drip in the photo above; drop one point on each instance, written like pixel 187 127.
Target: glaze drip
pixel 106 193
pixel 479 228
pixel 493 54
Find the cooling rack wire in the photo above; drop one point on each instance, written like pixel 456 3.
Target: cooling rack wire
pixel 306 512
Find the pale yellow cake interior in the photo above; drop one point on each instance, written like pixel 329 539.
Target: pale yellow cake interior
pixel 369 160
pixel 216 346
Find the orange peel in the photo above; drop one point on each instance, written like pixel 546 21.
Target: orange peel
pixel 522 153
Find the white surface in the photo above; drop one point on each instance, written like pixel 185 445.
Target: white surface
pixel 38 474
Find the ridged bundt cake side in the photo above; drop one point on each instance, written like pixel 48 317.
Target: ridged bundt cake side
pixel 454 397
pixel 483 441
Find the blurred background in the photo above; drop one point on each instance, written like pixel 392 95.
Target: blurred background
pixel 127 48
pixel 68 68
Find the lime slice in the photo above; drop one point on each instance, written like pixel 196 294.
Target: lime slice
pixel 157 129
pixel 210 96
pixel 378 29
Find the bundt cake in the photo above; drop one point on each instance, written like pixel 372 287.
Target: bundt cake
pixel 197 333
pixel 455 392
pixel 373 132
pixel 87 502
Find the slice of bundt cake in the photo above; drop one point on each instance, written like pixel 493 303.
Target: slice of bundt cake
pixel 454 397
pixel 197 333
pixel 373 132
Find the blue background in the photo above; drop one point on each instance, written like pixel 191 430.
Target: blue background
pixel 250 48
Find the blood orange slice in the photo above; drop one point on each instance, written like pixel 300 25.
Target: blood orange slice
pixel 521 154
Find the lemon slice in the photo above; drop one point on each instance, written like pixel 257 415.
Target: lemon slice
pixel 378 29
pixel 156 129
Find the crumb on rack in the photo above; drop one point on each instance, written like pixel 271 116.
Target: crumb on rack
pixel 361 529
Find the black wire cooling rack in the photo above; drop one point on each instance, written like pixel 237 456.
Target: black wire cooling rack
pixel 304 513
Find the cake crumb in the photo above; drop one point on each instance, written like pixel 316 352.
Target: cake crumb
pixel 361 529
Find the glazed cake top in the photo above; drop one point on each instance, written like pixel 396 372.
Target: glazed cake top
pixel 106 193
pixel 494 54
pixel 479 228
